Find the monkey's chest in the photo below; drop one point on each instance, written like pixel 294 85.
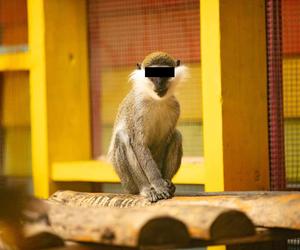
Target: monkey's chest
pixel 157 126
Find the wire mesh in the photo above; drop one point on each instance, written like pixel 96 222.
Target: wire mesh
pixel 275 103
pixel 121 34
pixel 291 89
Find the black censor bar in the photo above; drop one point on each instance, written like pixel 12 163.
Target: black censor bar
pixel 159 71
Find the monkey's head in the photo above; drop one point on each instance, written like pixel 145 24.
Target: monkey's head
pixel 158 75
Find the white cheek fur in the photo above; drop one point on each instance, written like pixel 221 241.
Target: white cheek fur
pixel 144 85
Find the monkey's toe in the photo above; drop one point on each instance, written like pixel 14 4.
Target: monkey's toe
pixel 171 187
pixel 150 194
pixel 163 193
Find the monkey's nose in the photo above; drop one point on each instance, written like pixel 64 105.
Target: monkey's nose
pixel 161 91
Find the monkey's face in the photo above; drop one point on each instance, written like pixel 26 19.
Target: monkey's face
pixel 160 85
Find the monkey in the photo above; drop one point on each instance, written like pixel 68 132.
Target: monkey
pixel 146 147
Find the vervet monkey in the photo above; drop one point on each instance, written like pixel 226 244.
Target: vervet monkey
pixel 146 147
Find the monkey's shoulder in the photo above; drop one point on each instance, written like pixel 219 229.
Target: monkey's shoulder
pixel 126 107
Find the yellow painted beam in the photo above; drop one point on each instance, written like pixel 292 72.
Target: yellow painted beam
pixel 15 61
pixel 38 98
pixel 211 94
pixel 102 171
pixel 59 86
pixel 68 110
pixel 235 121
pixel 190 173
pixel 90 171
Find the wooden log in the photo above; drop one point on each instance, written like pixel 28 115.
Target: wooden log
pixel 115 226
pixel 267 209
pixel 149 225
pixel 24 222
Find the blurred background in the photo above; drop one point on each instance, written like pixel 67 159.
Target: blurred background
pixel 64 67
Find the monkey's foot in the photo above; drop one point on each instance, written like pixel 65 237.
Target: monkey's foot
pixel 150 194
pixel 171 187
pixel 162 189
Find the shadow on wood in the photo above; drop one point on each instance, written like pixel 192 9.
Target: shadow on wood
pixel 163 232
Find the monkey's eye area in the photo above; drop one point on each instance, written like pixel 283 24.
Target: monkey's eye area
pixel 159 71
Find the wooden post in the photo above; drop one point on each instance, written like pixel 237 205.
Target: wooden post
pixel 235 118
pixel 58 86
pixel 38 98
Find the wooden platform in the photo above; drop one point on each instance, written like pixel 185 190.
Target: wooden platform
pixel 232 218
pixel 76 220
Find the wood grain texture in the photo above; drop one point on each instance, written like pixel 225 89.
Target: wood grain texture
pixel 202 222
pixel 115 226
pixel 267 209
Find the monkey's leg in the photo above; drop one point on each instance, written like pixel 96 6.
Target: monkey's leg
pixel 173 159
pixel 136 171
pixel 122 168
pixel 150 169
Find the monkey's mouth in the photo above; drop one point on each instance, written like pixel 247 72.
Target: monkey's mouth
pixel 161 92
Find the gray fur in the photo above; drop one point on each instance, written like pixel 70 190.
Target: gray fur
pixel 146 148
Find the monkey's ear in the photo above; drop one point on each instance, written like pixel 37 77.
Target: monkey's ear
pixel 177 63
pixel 138 66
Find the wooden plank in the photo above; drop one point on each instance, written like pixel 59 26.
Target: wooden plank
pixel 145 226
pixel 59 87
pixel 38 98
pixel 233 57
pixel 15 61
pixel 67 81
pixel 268 209
pixel 190 172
